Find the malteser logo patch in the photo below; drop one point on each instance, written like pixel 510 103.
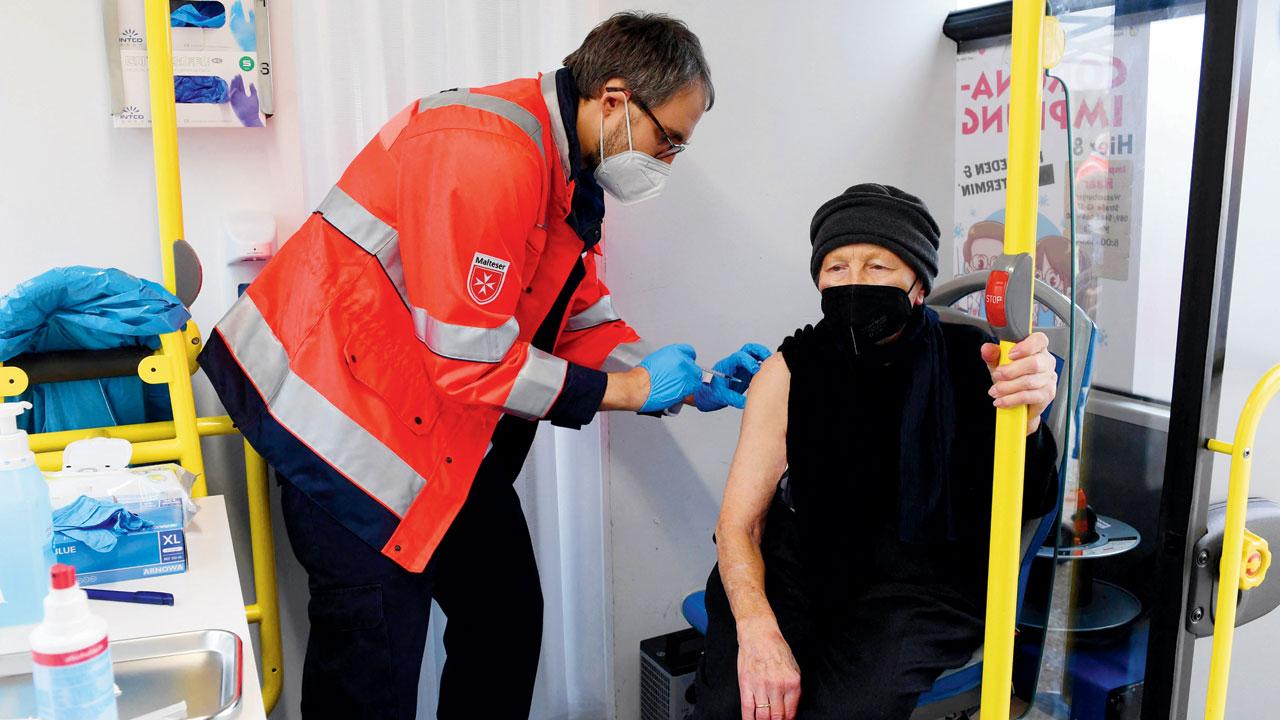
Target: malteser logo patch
pixel 484 282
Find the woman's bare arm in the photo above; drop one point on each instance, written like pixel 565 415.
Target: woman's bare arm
pixel 768 676
pixel 753 477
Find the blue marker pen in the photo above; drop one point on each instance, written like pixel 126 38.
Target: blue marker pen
pixel 143 597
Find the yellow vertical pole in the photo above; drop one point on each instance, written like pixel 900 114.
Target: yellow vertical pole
pixel 164 134
pixel 1021 203
pixel 174 347
pixel 265 606
pixel 1229 585
pixel 164 140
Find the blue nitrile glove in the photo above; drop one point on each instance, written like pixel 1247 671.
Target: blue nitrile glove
pixel 242 27
pixel 96 523
pixel 673 376
pixel 207 89
pixel 741 366
pixel 244 104
pixel 208 15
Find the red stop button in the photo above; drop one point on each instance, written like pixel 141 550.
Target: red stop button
pixel 997 285
pixel 1253 564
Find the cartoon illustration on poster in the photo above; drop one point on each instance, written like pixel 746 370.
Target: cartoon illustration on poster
pixel 981 150
pixel 1097 131
pixel 985 241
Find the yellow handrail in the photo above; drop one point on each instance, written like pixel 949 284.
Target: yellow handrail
pixel 164 135
pixel 1235 550
pixel 1021 203
pixel 44 443
pixel 265 611
pixel 164 139
pixel 175 347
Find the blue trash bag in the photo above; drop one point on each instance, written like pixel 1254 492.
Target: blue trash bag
pixel 86 308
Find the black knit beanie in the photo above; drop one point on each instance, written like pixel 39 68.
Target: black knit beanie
pixel 880 215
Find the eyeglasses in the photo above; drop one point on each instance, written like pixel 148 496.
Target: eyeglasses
pixel 673 147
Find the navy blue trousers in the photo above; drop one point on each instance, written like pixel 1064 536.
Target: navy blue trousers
pixel 369 615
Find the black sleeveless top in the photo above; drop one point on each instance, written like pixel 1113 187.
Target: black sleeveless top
pixel 845 427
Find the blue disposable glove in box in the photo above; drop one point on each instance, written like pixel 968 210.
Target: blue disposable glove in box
pixel 159 494
pixel 96 523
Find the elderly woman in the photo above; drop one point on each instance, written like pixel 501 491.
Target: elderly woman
pixel 846 591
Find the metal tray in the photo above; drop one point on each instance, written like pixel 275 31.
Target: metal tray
pixel 203 668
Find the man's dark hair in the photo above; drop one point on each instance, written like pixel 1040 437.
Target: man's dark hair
pixel 656 54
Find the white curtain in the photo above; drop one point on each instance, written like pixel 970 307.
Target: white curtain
pixel 359 63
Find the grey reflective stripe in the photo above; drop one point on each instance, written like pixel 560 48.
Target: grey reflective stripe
pixel 537 385
pixel 551 97
pixel 624 357
pixel 353 220
pixel 365 229
pixel 389 258
pixel 522 118
pixel 303 411
pixel 463 342
pixel 600 312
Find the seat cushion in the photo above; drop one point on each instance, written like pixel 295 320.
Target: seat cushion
pixel 694 609
pixel 954 681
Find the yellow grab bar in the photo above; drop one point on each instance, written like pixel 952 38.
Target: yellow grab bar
pixel 164 135
pixel 164 140
pixel 264 609
pixel 42 443
pixel 1006 500
pixel 1021 204
pixel 1236 552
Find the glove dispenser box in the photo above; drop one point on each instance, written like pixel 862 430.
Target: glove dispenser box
pixel 221 62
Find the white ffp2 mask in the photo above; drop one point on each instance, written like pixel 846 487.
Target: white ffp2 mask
pixel 631 175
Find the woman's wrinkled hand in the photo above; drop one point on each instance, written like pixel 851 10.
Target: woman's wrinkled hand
pixel 1028 379
pixel 768 676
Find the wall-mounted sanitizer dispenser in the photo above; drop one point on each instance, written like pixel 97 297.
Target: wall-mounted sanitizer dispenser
pixel 249 241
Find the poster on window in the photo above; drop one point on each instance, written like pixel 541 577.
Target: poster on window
pixel 982 114
pixel 1100 128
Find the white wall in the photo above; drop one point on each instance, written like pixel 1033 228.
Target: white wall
pixel 76 191
pixel 1253 347
pixel 812 97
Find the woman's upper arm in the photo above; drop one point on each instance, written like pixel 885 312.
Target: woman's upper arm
pixel 761 456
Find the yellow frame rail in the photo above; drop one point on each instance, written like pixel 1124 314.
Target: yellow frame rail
pixel 164 139
pixel 172 365
pixel 1240 548
pixel 1011 423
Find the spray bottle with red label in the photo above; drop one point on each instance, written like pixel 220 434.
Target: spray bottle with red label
pixel 72 660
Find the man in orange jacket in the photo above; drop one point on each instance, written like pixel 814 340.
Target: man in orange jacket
pixel 392 361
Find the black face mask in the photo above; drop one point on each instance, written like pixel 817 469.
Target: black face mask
pixel 871 313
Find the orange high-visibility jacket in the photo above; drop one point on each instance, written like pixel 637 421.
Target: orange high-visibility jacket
pixel 373 357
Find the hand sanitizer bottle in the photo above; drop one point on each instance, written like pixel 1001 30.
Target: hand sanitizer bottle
pixel 26 524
